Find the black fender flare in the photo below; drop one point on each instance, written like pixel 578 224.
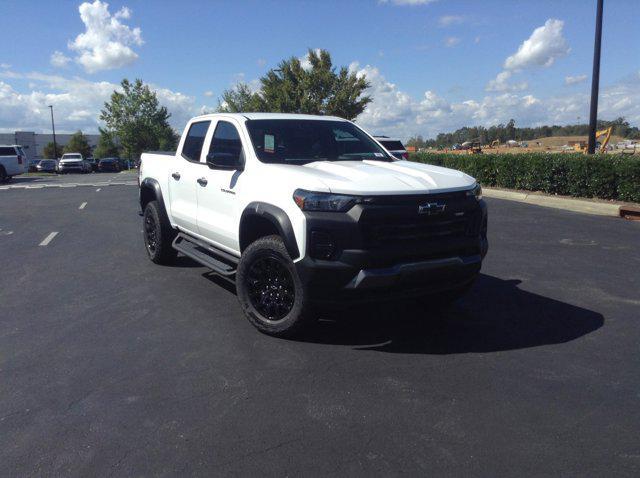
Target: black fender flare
pixel 150 186
pixel 278 218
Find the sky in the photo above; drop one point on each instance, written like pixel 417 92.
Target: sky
pixel 433 65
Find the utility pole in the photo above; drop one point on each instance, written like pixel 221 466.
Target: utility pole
pixel 595 81
pixel 53 127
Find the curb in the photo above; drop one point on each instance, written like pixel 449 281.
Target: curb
pixel 574 205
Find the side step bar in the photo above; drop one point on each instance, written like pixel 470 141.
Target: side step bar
pixel 218 261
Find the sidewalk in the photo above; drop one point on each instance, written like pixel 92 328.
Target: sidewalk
pixel 586 206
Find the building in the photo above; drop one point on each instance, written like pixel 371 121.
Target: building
pixel 33 143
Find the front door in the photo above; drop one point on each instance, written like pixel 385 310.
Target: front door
pixel 183 178
pixel 218 217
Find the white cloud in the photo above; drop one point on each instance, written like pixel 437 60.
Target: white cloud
pixel 208 93
pixel 59 59
pixel 5 65
pixel 106 43
pixel 396 113
pixel 77 103
pixel 545 45
pixel 407 2
pixel 501 83
pixel 572 80
pixel 448 20
pixel 451 41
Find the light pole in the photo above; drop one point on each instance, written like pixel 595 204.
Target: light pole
pixel 53 127
pixel 595 81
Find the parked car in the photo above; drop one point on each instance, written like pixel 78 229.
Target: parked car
pixel 33 165
pixel 298 210
pixel 109 164
pixel 13 161
pixel 48 166
pixel 394 146
pixel 93 163
pixel 73 162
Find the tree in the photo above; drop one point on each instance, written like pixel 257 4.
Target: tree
pixel 106 145
pixel 136 117
pixel 294 88
pixel 241 99
pixel 48 152
pixel 78 144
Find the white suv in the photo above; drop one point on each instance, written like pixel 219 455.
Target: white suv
pixel 73 162
pixel 13 161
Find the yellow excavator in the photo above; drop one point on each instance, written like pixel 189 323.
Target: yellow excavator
pixel 603 144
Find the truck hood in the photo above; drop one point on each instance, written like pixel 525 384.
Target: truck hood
pixel 71 160
pixel 378 177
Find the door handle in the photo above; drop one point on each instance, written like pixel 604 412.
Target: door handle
pixel 176 176
pixel 202 182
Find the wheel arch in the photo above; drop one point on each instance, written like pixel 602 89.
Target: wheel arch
pixel 262 219
pixel 150 191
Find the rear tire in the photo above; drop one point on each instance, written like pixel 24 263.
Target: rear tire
pixel 3 175
pixel 158 234
pixel 270 292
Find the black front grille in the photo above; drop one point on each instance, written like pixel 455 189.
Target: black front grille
pixel 421 229
pixel 404 220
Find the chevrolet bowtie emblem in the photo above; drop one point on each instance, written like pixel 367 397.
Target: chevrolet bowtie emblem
pixel 431 208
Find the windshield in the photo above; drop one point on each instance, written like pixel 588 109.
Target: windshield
pixel 71 156
pixel 304 141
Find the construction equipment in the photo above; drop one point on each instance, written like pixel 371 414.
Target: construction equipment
pixel 475 148
pixel 495 143
pixel 580 148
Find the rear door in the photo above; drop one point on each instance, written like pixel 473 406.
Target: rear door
pixel 184 173
pixel 218 215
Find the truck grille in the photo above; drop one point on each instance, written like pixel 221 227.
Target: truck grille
pixel 406 226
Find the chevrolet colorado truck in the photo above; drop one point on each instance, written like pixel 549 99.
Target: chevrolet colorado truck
pixel 300 210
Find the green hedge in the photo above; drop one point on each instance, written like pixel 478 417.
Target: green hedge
pixel 579 175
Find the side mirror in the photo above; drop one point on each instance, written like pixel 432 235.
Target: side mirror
pixel 220 160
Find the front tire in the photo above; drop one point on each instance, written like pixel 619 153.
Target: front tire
pixel 270 292
pixel 158 234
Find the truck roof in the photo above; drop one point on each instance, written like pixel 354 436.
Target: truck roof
pixel 266 116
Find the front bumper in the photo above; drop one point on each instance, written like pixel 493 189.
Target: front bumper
pixel 70 167
pixel 386 251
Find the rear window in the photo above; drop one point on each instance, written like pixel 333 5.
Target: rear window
pixel 194 140
pixel 7 151
pixel 391 145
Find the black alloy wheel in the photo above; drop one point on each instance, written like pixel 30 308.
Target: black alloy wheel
pixel 270 287
pixel 151 233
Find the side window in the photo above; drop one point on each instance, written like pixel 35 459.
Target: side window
pixel 226 142
pixel 195 140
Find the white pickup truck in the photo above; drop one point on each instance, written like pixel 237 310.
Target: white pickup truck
pixel 299 210
pixel 13 161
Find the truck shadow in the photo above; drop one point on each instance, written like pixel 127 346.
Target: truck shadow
pixel 496 315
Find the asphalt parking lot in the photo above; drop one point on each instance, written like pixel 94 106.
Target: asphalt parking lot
pixel 110 364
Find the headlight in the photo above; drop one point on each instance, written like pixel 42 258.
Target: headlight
pixel 323 202
pixel 475 192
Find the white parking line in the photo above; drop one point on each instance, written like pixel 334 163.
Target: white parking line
pixel 48 239
pixel 82 206
pixel 98 190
